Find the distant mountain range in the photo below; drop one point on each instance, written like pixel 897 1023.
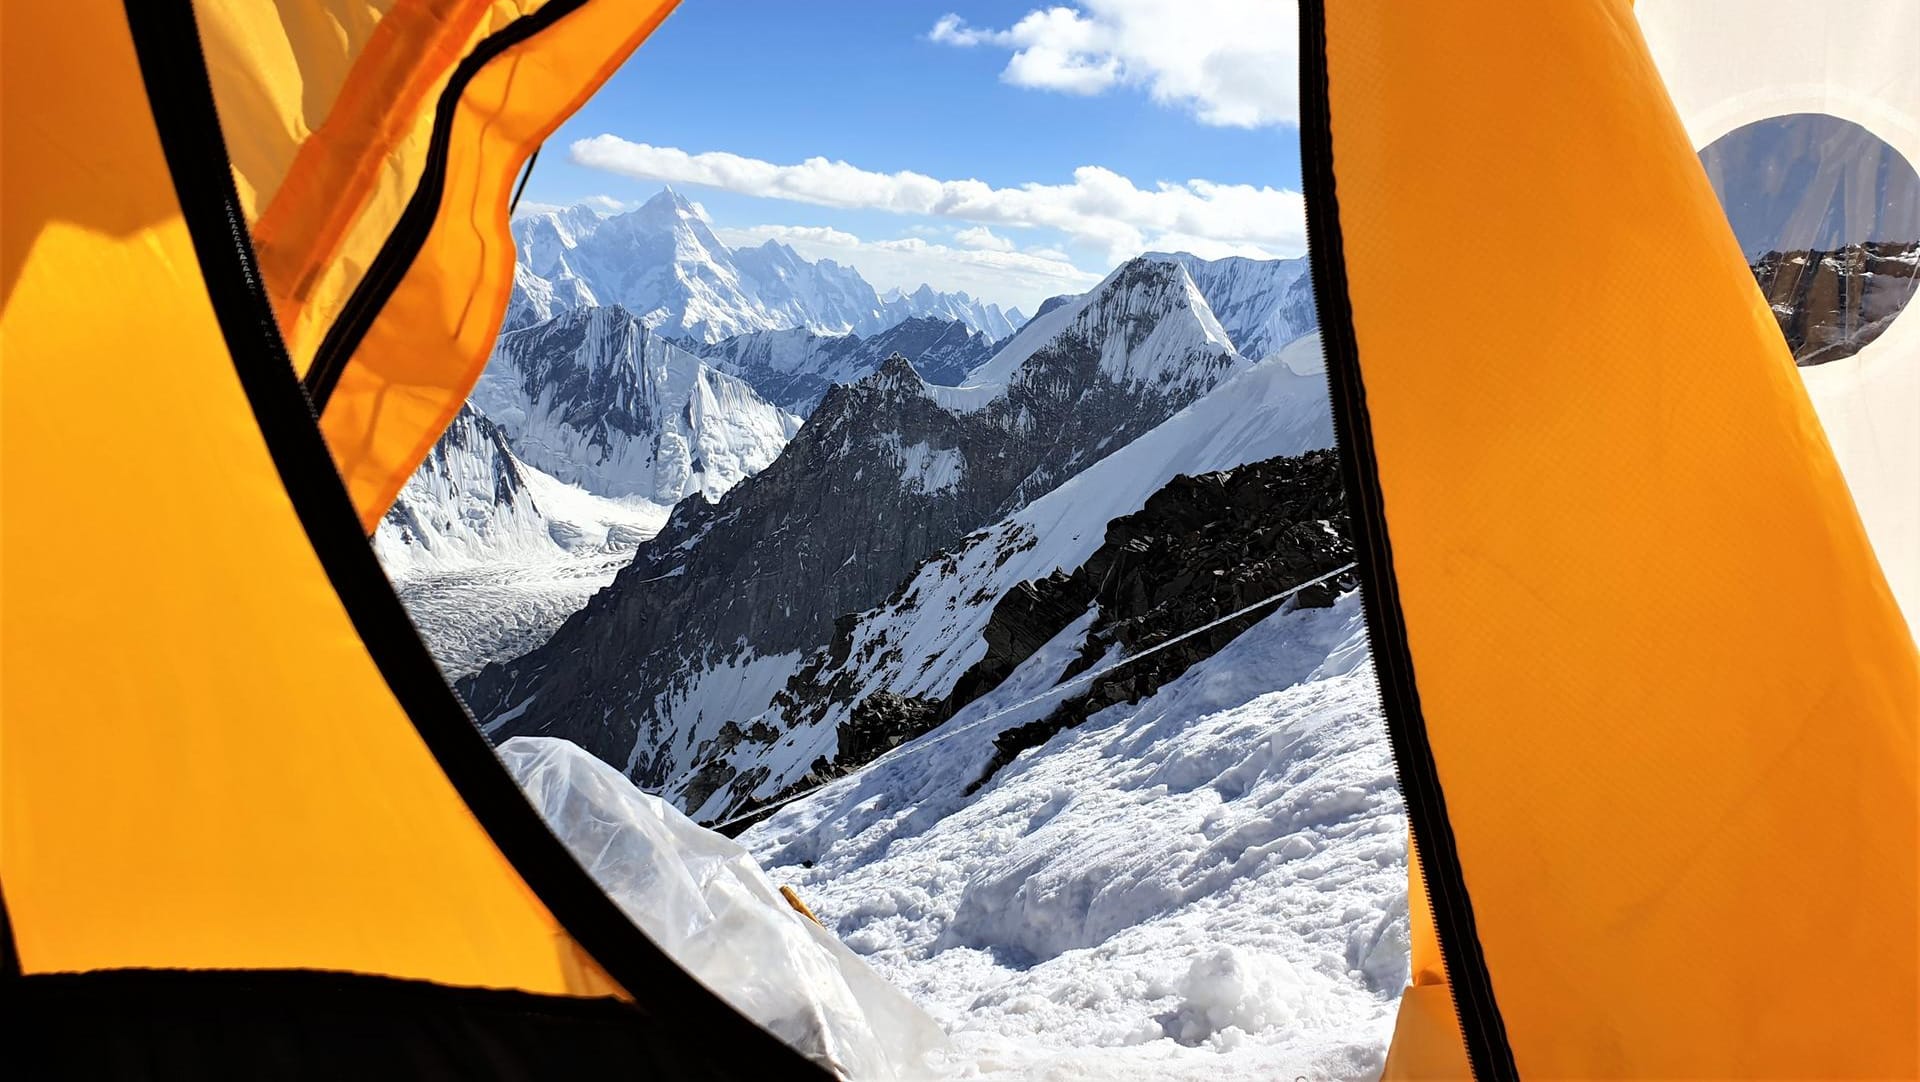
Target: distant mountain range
pixel 663 263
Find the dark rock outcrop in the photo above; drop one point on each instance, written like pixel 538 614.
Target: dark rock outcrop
pixel 1830 304
pixel 1203 547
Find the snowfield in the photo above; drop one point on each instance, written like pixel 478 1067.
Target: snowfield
pixel 1209 884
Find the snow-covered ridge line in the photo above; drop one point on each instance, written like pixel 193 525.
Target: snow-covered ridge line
pixel 922 639
pixel 794 368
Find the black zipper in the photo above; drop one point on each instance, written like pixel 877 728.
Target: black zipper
pixel 1488 1051
pixel 389 268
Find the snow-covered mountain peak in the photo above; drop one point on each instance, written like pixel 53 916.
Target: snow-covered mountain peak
pixel 793 368
pixel 1262 303
pixel 716 612
pixel 1148 322
pixel 667 200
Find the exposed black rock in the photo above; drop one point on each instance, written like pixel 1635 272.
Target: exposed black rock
pixel 1201 548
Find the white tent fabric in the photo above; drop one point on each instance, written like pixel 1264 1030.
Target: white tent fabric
pixel 1728 63
pixel 702 898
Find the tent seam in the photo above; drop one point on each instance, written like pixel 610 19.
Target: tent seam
pixel 1483 1031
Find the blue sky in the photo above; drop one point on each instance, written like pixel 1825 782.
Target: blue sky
pixel 850 130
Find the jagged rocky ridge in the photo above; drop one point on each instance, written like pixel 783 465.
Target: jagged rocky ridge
pixel 794 368
pixel 1201 548
pixel 663 262
pixel 715 613
pixel 916 644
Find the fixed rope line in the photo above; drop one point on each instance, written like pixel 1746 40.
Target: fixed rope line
pixel 916 746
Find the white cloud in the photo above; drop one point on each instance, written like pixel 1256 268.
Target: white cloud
pixel 600 204
pixel 1232 63
pixel 1005 277
pixel 979 236
pixel 1099 208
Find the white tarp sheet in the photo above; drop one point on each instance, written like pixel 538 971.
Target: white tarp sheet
pixel 705 901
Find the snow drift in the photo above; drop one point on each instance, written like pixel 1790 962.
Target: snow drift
pixel 1208 884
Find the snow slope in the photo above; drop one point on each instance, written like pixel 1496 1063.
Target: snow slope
pixel 1263 303
pixel 1210 884
pixel 663 262
pixel 922 639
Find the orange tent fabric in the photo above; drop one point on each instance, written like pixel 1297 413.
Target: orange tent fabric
pixel 223 750
pixel 1654 704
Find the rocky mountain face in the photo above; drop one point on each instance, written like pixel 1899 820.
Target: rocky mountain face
pixel 490 554
pixel 716 612
pixel 663 263
pixel 596 398
pixel 948 631
pixel 1203 547
pixel 1831 303
pixel 793 368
